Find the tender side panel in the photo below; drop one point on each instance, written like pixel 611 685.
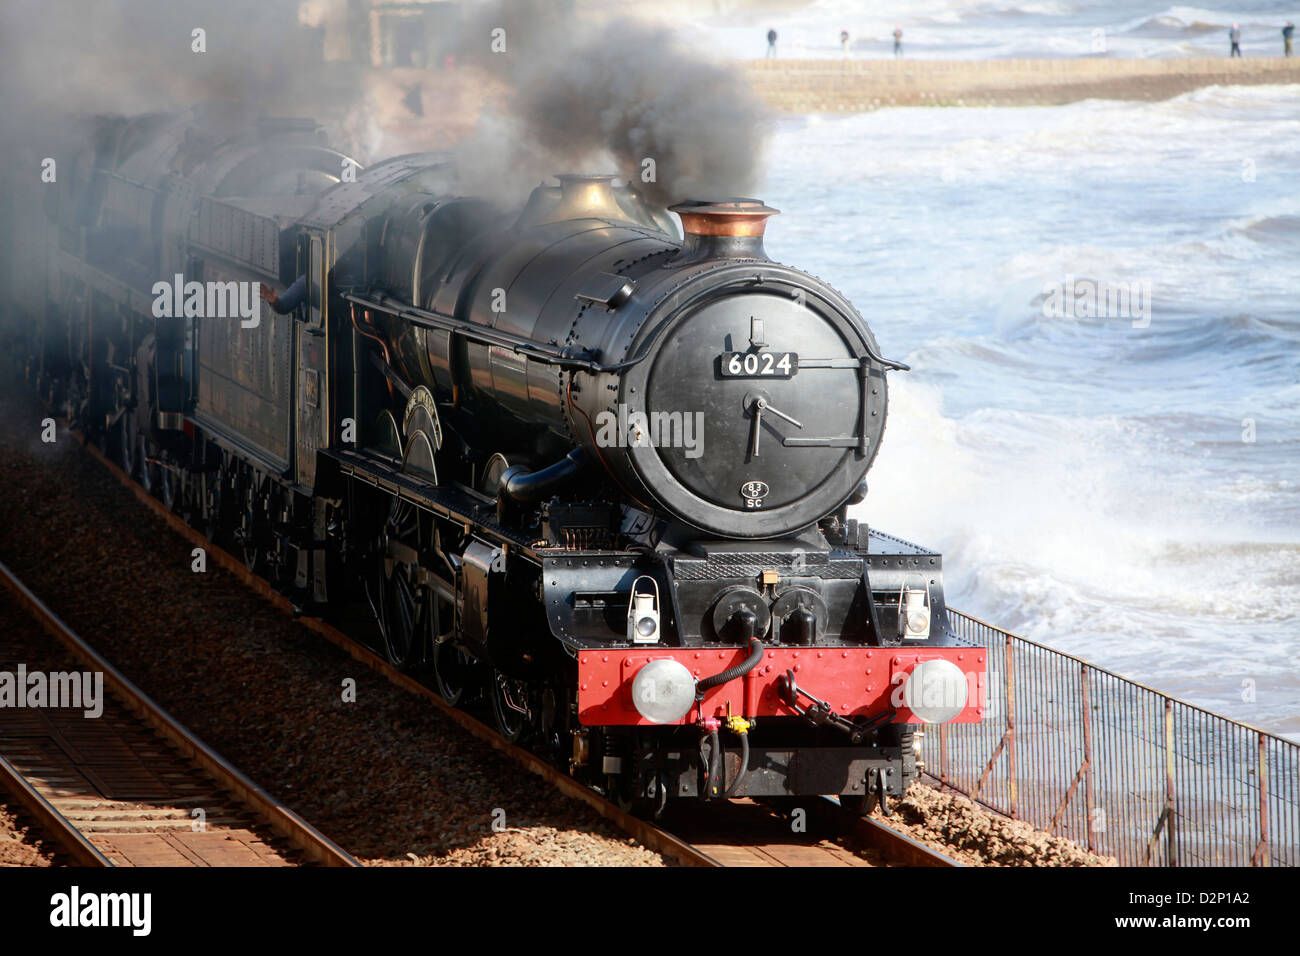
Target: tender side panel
pixel 245 377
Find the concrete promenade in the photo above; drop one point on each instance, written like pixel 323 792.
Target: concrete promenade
pixel 809 86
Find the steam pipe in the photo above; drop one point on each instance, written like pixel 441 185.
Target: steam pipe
pixel 522 486
pixel 375 337
pixel 473 332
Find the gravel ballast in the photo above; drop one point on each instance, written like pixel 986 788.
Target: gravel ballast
pixel 385 775
pixel 968 833
pixel 20 844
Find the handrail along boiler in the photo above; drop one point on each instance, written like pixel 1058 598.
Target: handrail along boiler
pixel 586 471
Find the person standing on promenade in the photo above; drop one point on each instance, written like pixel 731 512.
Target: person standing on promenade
pixel 1288 32
pixel 898 41
pixel 771 43
pixel 1234 35
pixel 844 42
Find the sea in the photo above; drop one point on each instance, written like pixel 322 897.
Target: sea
pixel 966 30
pixel 1118 480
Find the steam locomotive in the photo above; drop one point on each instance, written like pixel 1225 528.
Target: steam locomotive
pixel 587 472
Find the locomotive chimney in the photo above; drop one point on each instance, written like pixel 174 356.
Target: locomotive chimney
pixel 587 197
pixel 723 228
pixel 579 196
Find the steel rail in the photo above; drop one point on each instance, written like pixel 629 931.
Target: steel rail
pixel 55 824
pixel 897 846
pixel 300 834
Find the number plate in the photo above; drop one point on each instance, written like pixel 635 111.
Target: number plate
pixel 758 364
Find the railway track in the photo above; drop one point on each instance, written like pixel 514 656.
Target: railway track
pixel 131 786
pixel 899 848
pixel 754 833
pixel 771 844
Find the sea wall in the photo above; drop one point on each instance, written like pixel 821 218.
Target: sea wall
pixel 807 86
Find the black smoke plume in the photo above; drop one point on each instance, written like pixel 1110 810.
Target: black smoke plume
pixel 597 93
pixel 585 96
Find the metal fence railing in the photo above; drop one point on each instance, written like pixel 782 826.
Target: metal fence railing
pixel 1115 766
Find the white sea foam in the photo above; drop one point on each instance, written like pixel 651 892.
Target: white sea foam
pixel 1088 481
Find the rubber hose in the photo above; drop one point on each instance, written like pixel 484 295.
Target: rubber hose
pixel 715 764
pixel 744 767
pixel 731 673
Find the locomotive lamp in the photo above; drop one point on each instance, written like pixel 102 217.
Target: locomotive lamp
pixel 935 691
pixel 643 614
pixel 663 691
pixel 914 613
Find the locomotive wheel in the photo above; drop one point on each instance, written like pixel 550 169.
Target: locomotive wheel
pixel 508 696
pixel 393 594
pixel 453 669
pixel 145 472
pixel 76 405
pixel 452 672
pixel 276 554
pixel 247 533
pixel 392 601
pixel 399 619
pixel 125 429
pixel 855 805
pixel 374 584
pixel 190 484
pixel 210 492
pixel 639 806
pixel 168 480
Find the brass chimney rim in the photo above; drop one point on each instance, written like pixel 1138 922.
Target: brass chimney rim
pixel 735 216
